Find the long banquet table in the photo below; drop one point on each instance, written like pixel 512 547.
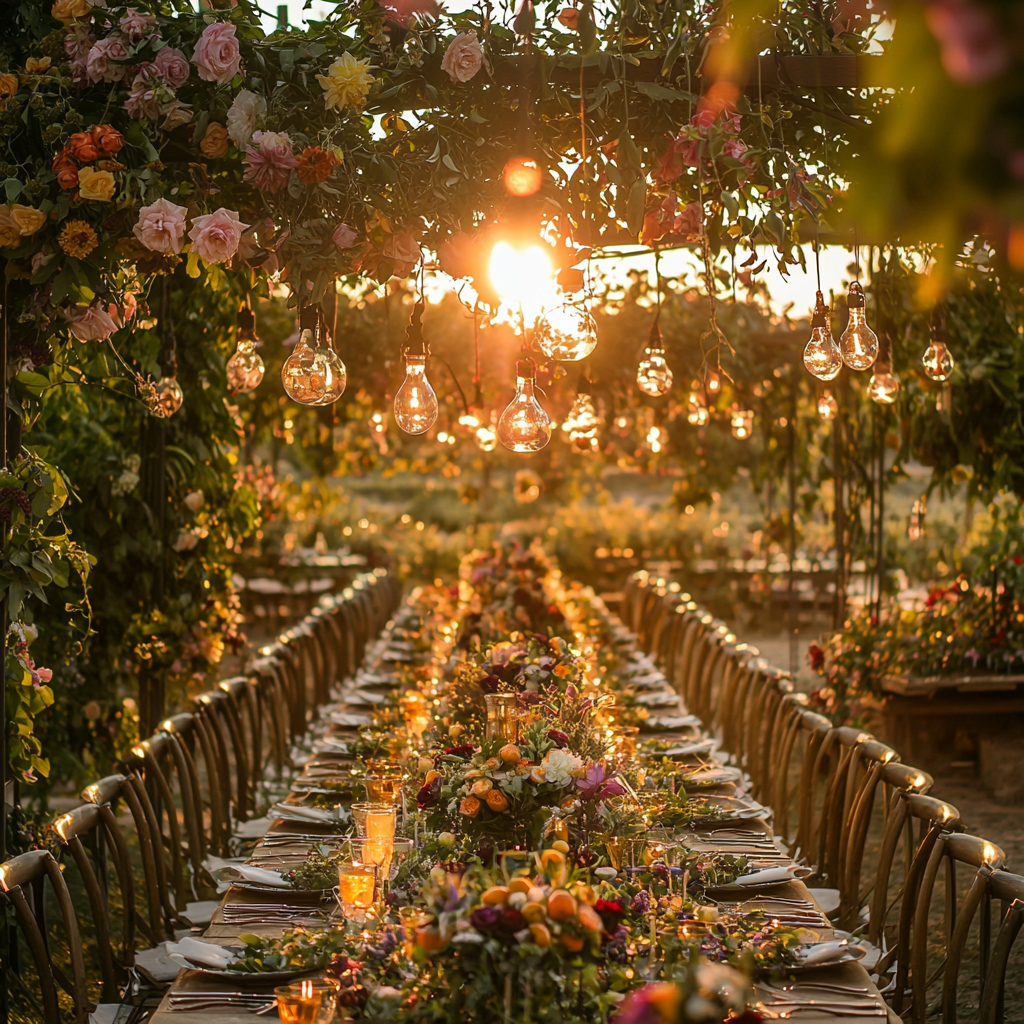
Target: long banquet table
pixel 350 707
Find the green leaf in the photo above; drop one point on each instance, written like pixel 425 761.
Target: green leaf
pixel 13 187
pixel 627 157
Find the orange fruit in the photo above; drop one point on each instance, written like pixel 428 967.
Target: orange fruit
pixel 495 895
pixel 561 905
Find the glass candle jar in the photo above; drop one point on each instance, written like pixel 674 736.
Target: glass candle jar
pixel 502 717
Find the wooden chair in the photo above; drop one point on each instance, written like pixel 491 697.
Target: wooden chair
pixel 103 836
pixel 33 869
pixel 1009 890
pixel 948 850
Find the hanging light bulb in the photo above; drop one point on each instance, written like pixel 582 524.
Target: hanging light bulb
pixel 712 381
pixel 828 407
pixel 884 385
pixel 302 376
pixel 168 397
pixel 742 423
pixel 522 176
pixel 582 423
pixel 654 438
pixel 245 368
pixel 937 359
pixel 697 411
pixel 415 403
pixel 859 344
pixel 821 356
pixel 468 423
pixel 335 376
pixel 653 375
pixel 486 438
pixel 524 426
pixel 567 333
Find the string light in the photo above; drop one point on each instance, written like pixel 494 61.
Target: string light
pixel 312 374
pixel 524 426
pixel 742 423
pixel 884 385
pixel 415 403
pixel 697 411
pixel 828 407
pixel 582 423
pixel 169 397
pixel 654 438
pixel 567 333
pixel 821 355
pixel 937 359
pixel 245 368
pixel 486 438
pixel 858 345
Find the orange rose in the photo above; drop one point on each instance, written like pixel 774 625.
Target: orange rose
pixel 569 17
pixel 83 147
pixel 8 86
pixel 215 142
pixel 470 807
pixel 497 801
pixel 480 787
pixel 107 138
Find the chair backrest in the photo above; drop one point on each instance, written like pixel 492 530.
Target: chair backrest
pixel 949 850
pixel 103 836
pixel 1009 890
pixel 105 794
pixel 906 807
pixel 31 870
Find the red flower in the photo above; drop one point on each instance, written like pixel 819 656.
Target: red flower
pixel 315 165
pixel 816 656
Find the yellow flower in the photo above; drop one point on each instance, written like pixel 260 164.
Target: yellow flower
pixel 93 184
pixel 37 65
pixel 346 83
pixel 77 239
pixel 10 233
pixel 29 219
pixel 68 11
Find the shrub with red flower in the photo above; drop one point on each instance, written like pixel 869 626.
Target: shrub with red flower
pixel 315 165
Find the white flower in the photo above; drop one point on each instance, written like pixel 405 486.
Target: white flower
pixel 124 484
pixel 244 116
pixel 560 766
pixel 195 500
pixel 185 541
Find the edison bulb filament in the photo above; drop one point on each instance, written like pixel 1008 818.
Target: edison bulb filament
pixel 938 361
pixel 415 403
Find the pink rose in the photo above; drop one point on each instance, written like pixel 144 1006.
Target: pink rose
pixel 270 161
pixel 464 57
pixel 734 148
pixel 146 97
pixel 215 236
pixel 97 63
pixel 403 248
pixel 45 674
pixel 135 24
pixel 344 237
pixel 161 227
pixel 130 306
pixel 78 40
pixel 216 55
pixel 92 323
pixel 172 66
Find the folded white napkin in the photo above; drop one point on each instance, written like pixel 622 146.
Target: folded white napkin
pixel 673 721
pixel 249 873
pixel 825 952
pixel 691 748
pixel 350 720
pixel 193 951
pixel 296 812
pixel 779 874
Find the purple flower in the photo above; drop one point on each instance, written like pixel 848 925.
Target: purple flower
pixel 641 902
pixel 594 785
pixel 485 919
